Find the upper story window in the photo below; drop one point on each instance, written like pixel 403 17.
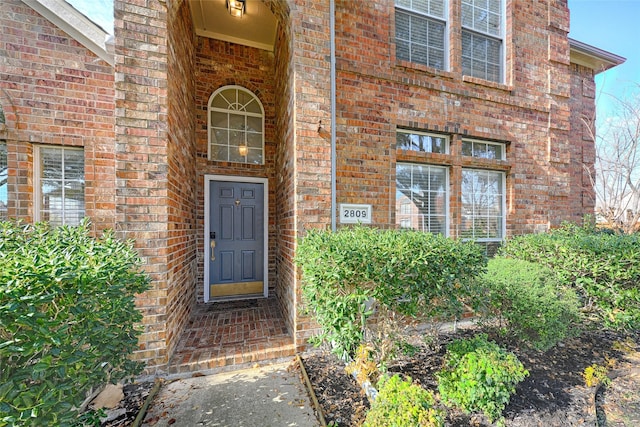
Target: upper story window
pixel 59 185
pixel 421 141
pixel 236 126
pixel 483 150
pixel 4 197
pixel 421 32
pixel 482 39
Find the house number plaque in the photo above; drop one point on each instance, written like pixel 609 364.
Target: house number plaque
pixel 354 214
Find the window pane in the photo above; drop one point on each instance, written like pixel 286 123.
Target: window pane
pixel 421 197
pixel 74 165
pixel 482 202
pixel 483 16
pixel 481 57
pixel 421 142
pixel 467 148
pixel 219 120
pixel 61 184
pixel 236 122
pixel 4 195
pixel 420 39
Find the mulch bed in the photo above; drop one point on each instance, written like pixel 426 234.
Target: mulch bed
pixel 554 394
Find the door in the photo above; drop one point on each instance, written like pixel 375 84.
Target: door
pixel 236 239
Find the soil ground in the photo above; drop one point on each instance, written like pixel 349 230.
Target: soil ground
pixel 554 394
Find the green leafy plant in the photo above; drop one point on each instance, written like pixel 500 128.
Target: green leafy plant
pixel 537 306
pixel 478 375
pixel 602 267
pixel 349 273
pixel 400 403
pixel 67 304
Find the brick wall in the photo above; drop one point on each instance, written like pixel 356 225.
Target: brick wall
pixel 142 158
pixel 583 114
pixel 285 188
pixel 530 113
pixel 54 91
pixel 180 171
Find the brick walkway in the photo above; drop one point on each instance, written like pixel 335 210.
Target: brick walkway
pixel 232 333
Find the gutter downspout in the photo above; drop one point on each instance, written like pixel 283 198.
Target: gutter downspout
pixel 332 26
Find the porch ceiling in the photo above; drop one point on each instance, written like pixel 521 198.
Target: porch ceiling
pixel 256 28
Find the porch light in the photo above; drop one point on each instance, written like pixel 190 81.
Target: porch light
pixel 242 149
pixel 236 7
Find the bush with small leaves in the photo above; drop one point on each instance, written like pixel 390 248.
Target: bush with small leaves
pixel 602 267
pixel 69 321
pixel 538 307
pixel 479 375
pixel 411 273
pixel 403 404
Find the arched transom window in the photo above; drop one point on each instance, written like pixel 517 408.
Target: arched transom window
pixel 236 126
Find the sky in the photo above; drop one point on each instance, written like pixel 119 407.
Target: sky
pixel 610 25
pixel 613 26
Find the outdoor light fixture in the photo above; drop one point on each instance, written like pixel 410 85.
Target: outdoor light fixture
pixel 242 149
pixel 236 7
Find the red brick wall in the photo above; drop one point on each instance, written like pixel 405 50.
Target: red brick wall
pixel 583 114
pixel 55 91
pixel 142 155
pixel 530 113
pixel 180 171
pixel 285 188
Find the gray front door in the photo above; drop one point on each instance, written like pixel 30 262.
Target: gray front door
pixel 236 239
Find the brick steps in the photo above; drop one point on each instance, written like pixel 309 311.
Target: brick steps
pixel 232 333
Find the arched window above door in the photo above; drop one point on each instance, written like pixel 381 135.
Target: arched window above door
pixel 236 126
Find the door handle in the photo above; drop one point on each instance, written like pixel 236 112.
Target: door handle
pixel 213 246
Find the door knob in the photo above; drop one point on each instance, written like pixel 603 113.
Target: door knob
pixel 213 246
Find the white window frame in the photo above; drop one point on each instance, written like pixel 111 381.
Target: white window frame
pixel 503 206
pixel 37 181
pixel 447 213
pixel 237 111
pixel 446 138
pixel 440 19
pixel 499 37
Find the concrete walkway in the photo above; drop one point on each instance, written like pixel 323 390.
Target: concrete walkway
pixel 266 396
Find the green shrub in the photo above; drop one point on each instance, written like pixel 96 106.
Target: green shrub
pixel 68 319
pixel 402 404
pixel 538 308
pixel 604 268
pixel 409 272
pixel 478 375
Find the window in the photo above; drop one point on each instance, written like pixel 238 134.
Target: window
pixel 419 141
pixel 422 197
pixel 483 201
pixel 483 150
pixel 420 32
pixel 4 197
pixel 482 33
pixel 59 185
pixel 236 126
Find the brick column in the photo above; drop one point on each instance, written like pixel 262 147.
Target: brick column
pixel 141 151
